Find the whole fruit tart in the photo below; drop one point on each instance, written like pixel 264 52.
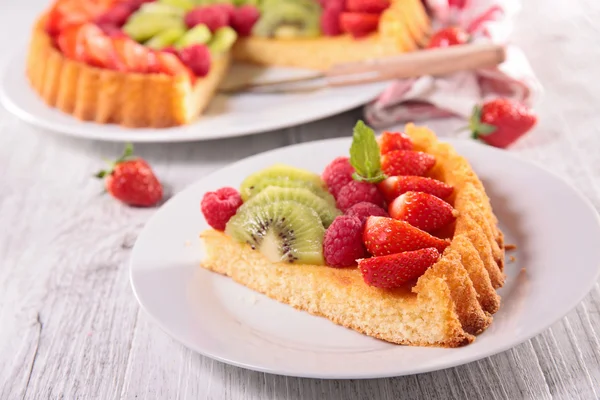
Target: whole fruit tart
pixel 158 63
pixel 397 241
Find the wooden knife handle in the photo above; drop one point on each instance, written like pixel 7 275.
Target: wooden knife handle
pixel 411 65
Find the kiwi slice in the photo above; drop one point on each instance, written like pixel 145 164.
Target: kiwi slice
pixel 200 34
pixel 288 19
pixel 284 231
pixel 284 182
pixel 161 8
pixel 165 38
pixel 185 5
pixel 281 171
pixel 222 39
pixel 143 26
pixel 272 194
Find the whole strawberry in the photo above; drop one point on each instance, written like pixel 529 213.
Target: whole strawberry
pixel 131 180
pixel 500 122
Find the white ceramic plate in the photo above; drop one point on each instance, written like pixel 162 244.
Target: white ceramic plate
pixel 557 262
pixel 227 116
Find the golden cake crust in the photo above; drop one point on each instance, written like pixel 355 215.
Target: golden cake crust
pixel 107 96
pixel 451 303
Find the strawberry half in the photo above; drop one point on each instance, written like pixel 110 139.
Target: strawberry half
pixel 394 186
pixel 395 270
pixel 390 141
pixel 406 162
pixel 71 43
pixel 358 24
pixel 367 6
pixel 422 210
pixel 383 236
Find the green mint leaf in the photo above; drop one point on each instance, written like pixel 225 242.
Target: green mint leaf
pixel 364 154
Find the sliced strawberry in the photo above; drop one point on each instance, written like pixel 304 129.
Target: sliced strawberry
pixel 99 49
pixel 367 6
pixel 71 44
pixel 171 65
pixel 330 21
pixel 406 162
pixel 358 24
pixel 390 141
pixel 395 270
pixel 422 211
pixel 394 186
pixel 383 236
pixel 133 56
pixel 66 13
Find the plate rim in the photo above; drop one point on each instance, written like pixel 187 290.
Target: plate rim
pixel 415 370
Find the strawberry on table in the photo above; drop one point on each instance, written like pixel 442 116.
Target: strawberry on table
pixel 367 6
pixel 383 236
pixel 390 141
pixel 407 162
pixel 422 211
pixel 394 186
pixel 395 270
pixel 359 24
pixel 501 122
pixel 446 37
pixel 131 180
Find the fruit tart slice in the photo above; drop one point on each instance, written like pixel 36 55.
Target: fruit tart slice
pixel 397 241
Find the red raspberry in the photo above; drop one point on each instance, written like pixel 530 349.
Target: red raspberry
pixel 218 207
pixel 244 18
pixel 117 15
pixel 364 210
pixel 214 17
pixel 197 58
pixel 343 242
pixel 330 21
pixel 112 30
pixel 337 174
pixel 356 192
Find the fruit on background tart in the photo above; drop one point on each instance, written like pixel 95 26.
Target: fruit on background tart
pixel 397 241
pixel 143 63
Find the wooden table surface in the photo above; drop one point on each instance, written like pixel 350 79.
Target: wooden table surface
pixel 70 327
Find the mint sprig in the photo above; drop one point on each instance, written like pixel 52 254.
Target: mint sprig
pixel 365 156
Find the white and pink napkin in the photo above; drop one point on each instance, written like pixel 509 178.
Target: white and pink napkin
pixel 430 97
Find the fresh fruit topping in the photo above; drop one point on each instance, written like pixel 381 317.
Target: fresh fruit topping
pixel 70 43
pixel 244 18
pixel 285 19
pixel 100 49
pixel 394 186
pixel 383 236
pixel 422 210
pixel 448 37
pixel 165 38
pixel 213 16
pixel 343 244
pixel 501 122
pixel 222 40
pixel 395 270
pixel 111 30
pixel 357 192
pixel 134 56
pixel 326 211
pixel 358 24
pixel 131 180
pixel 218 207
pixel 330 21
pixel 284 231
pixel 407 162
pixel 67 13
pixel 367 6
pixel 185 5
pixel 200 34
pixel 365 210
pixel 116 15
pixel 337 174
pixel 142 26
pixel 390 141
pixel 364 155
pixel 197 58
pixel 170 64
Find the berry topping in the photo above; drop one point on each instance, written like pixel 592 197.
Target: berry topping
pixel 394 270
pixel 337 174
pixel 214 17
pixel 131 180
pixel 244 18
pixel 116 15
pixel 330 21
pixel 448 37
pixel 394 186
pixel 383 236
pixel 343 244
pixel 390 141
pixel 422 211
pixel 219 206
pixel 170 64
pixel 367 6
pixel 406 162
pixel 358 24
pixel 197 58
pixel 365 210
pixel 501 122
pixel 133 56
pixel 356 192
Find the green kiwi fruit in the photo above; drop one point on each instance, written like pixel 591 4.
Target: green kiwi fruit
pixel 200 34
pixel 161 8
pixel 185 5
pixel 222 39
pixel 288 19
pixel 273 194
pixel 280 171
pixel 143 26
pixel 248 191
pixel 284 231
pixel 165 38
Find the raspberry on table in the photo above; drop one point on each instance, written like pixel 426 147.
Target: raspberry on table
pixel 337 174
pixel 364 210
pixel 343 242
pixel 357 192
pixel 219 206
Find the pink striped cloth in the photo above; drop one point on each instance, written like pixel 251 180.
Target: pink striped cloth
pixel 456 94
